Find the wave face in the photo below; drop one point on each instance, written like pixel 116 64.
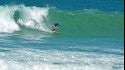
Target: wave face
pixel 12 18
pixel 89 23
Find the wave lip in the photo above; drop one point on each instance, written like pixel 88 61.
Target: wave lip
pixel 7 24
pixel 12 18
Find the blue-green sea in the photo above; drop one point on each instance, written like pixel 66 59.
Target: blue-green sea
pixel 91 35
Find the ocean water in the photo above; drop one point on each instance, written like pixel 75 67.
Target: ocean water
pixel 91 35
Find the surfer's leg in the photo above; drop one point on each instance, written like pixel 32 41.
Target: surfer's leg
pixel 54 29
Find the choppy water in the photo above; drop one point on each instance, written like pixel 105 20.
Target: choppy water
pixel 61 54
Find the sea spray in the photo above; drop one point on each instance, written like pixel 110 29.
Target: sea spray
pixel 13 17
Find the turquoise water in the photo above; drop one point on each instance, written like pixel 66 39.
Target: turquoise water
pixel 88 23
pixel 90 36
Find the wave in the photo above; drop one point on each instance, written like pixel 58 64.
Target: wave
pixel 88 23
pixel 75 23
pixel 12 18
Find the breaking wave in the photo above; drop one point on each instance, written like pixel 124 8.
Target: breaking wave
pixel 74 23
pixel 12 18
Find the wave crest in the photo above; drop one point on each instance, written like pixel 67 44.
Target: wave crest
pixel 13 17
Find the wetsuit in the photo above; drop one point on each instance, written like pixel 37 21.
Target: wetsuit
pixel 54 26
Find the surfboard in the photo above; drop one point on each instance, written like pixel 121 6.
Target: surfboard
pixel 55 32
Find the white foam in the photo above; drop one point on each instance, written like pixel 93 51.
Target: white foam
pixel 7 24
pixel 31 17
pixel 33 59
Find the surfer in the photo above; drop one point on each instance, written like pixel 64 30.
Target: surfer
pixel 54 26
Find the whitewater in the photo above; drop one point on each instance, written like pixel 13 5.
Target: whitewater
pixel 29 17
pixel 50 54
